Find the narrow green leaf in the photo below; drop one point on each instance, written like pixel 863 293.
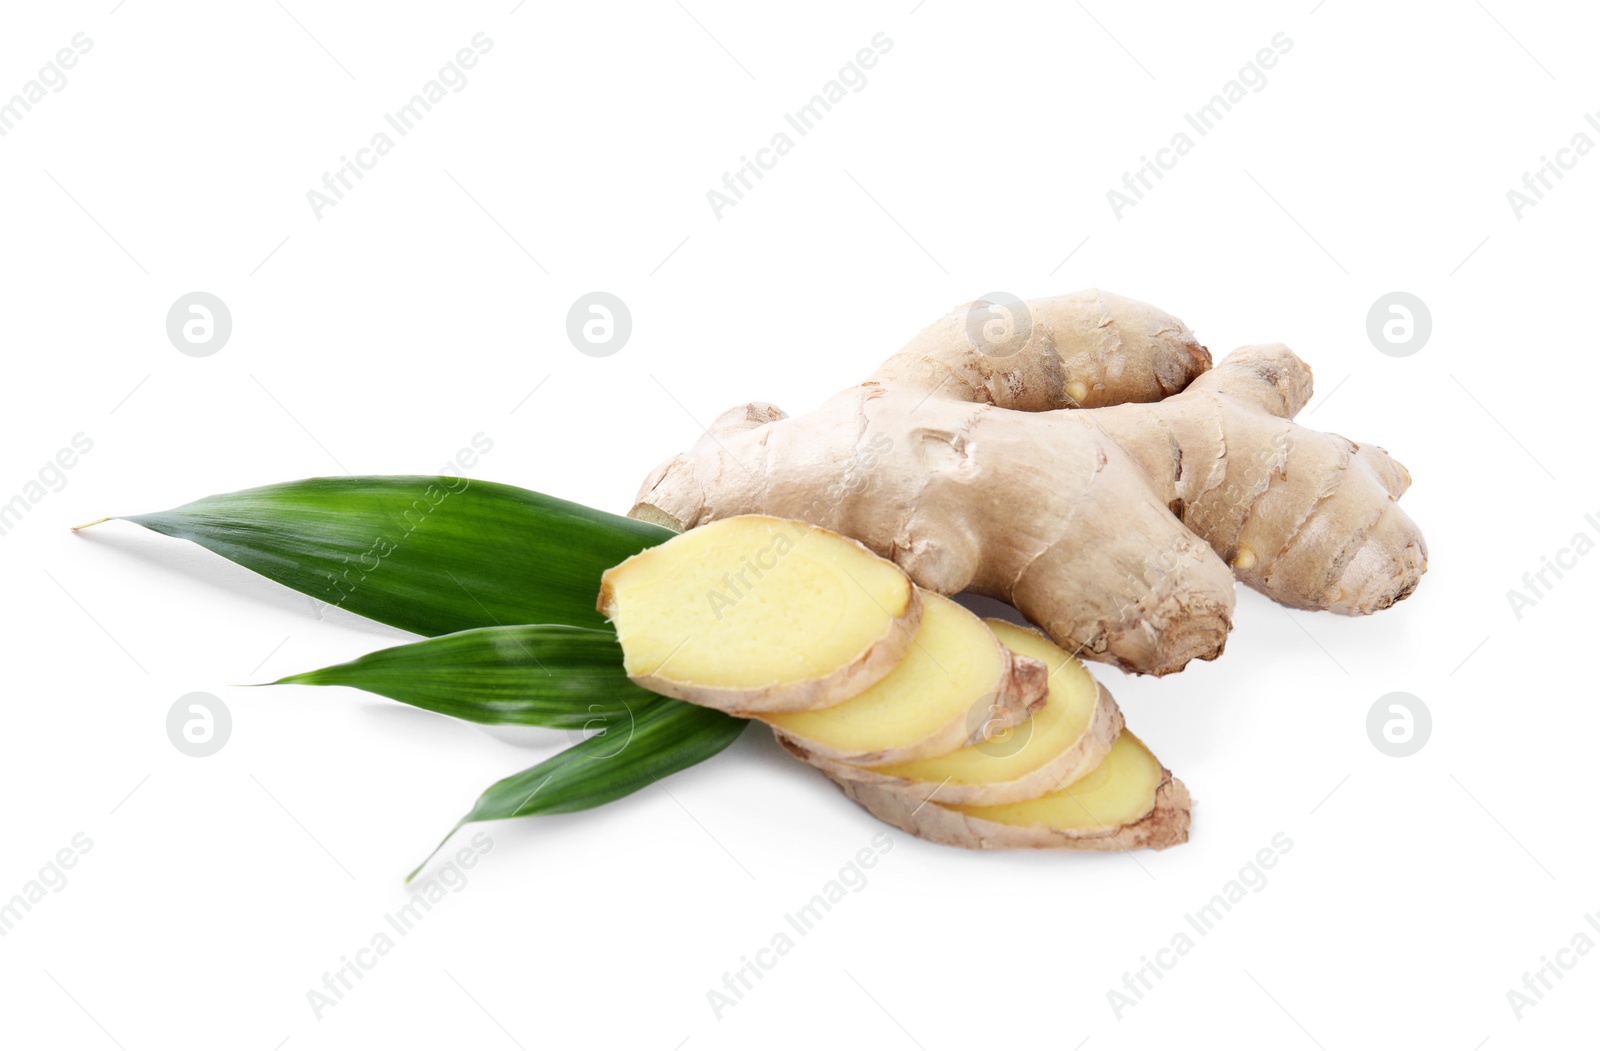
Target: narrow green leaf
pixel 440 556
pixel 529 674
pixel 427 554
pixel 661 738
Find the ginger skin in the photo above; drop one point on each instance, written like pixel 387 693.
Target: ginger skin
pixel 1103 479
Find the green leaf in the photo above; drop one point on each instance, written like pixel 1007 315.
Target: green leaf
pixel 661 738
pixel 440 556
pixel 427 554
pixel 529 674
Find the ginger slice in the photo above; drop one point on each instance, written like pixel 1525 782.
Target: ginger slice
pixel 957 685
pixel 1129 800
pixel 760 614
pixel 1068 736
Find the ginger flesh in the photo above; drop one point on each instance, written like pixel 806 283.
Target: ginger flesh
pixel 955 683
pixel 933 712
pixel 1129 800
pixel 1056 726
pixel 755 611
pixel 1119 791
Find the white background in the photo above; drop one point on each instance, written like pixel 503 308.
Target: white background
pixel 423 309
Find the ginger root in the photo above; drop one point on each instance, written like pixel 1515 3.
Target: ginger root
pixel 1035 478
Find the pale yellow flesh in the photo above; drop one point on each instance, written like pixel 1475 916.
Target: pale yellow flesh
pixel 1120 791
pixel 952 668
pixel 751 601
pixel 1050 731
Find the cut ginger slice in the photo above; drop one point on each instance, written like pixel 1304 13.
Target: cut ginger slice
pixel 1129 800
pixel 760 614
pixel 1068 736
pixel 957 685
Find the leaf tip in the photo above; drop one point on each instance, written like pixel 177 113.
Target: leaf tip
pixel 454 829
